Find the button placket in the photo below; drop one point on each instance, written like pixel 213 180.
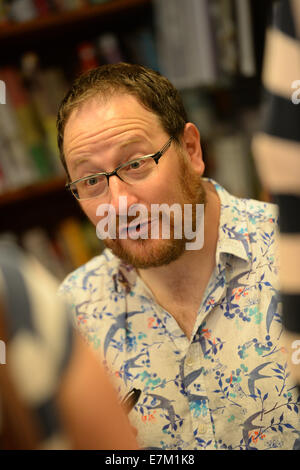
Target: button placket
pixel 196 389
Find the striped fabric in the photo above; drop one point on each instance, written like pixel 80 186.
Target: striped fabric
pixel 277 153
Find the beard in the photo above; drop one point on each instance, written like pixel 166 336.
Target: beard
pixel 149 253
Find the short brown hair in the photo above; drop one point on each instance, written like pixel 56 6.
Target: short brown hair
pixel 154 91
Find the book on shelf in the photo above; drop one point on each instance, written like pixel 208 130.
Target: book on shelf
pixel 28 125
pixel 247 66
pixel 181 34
pixel 77 242
pixel 104 49
pixel 206 43
pixel 37 242
pixel 96 246
pixel 42 8
pixel 17 167
pixel 27 121
pixel 21 10
pixel 87 56
pixel 46 89
pixel 224 37
pixel 233 166
pixel 7 176
pixel 71 244
pixel 109 49
pixel 141 47
pixel 13 173
pixel 69 5
pixel 3 12
pixel 98 2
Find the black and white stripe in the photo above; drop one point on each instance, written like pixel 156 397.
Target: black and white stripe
pixel 277 152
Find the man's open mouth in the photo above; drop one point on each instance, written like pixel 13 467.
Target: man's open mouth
pixel 139 226
pixel 133 228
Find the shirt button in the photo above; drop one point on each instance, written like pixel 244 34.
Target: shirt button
pixel 189 362
pixel 202 428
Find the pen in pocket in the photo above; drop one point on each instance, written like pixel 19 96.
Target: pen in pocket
pixel 131 399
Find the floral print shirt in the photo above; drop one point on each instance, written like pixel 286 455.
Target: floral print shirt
pixel 228 387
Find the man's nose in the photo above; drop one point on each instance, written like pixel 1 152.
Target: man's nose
pixel 118 188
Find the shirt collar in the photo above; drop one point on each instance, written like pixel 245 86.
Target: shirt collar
pixel 234 238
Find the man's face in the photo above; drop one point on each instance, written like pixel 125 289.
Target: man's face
pixel 99 136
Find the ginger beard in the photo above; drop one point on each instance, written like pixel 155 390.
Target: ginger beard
pixel 149 253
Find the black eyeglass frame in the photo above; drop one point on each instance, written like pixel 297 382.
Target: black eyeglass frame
pixel 155 157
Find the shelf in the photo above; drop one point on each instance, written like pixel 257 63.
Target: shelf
pixel 32 191
pixel 68 18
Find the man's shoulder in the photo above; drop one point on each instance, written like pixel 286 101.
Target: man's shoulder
pixel 262 223
pixel 260 229
pixel 238 209
pixel 261 211
pixel 251 222
pixel 261 219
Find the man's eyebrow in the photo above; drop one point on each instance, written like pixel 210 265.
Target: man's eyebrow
pixel 79 162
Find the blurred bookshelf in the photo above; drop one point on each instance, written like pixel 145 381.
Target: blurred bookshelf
pixel 32 191
pixel 45 44
pixel 50 20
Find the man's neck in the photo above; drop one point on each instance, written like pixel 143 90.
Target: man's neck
pixel 189 273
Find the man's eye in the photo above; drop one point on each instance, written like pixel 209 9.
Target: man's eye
pixel 136 165
pixel 92 181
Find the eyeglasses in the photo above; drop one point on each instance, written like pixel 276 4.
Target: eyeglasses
pixel 132 172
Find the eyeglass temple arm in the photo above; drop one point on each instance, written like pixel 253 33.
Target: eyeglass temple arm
pixel 162 151
pixel 167 145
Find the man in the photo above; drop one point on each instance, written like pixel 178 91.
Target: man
pixel 196 330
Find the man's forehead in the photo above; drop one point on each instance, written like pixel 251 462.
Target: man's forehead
pixel 117 105
pixel 96 119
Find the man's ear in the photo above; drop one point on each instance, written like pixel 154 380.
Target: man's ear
pixel 191 143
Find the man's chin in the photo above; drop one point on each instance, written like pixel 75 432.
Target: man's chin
pixel 146 253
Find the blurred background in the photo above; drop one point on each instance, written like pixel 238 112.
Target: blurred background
pixel 212 50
